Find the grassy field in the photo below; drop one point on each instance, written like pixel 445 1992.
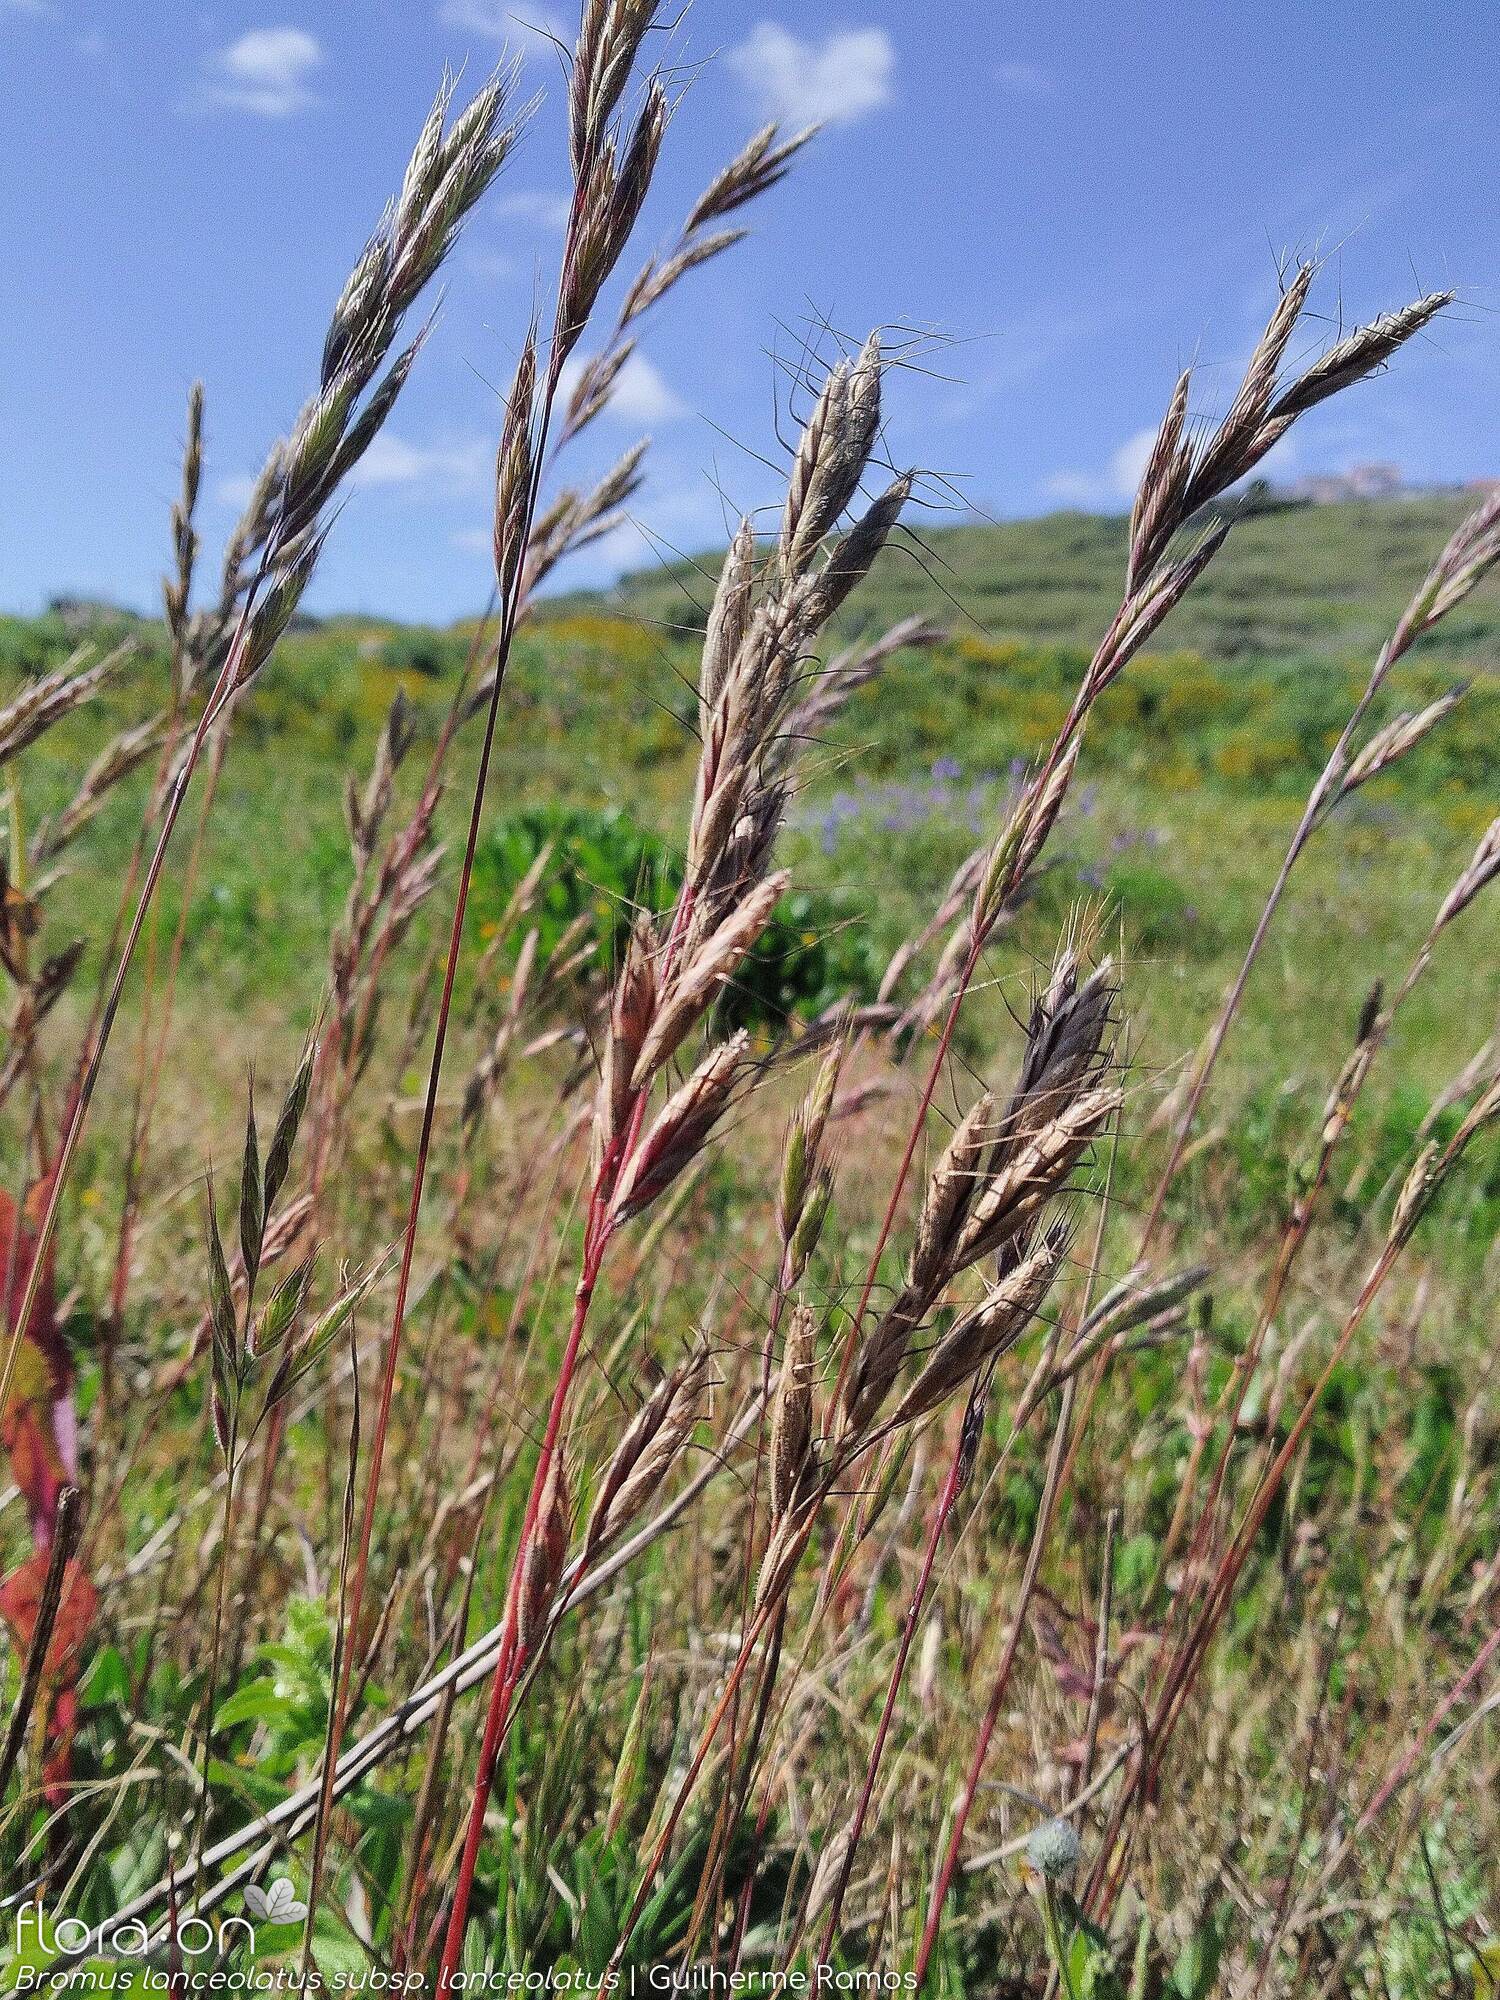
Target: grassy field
pixel 1208 732
pixel 1191 783
pixel 707 1291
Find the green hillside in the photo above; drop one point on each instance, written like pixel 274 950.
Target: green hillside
pixel 1221 726
pixel 1296 581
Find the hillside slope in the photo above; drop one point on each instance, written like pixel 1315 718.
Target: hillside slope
pixel 1324 582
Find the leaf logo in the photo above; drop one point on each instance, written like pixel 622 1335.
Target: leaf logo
pixel 275 1904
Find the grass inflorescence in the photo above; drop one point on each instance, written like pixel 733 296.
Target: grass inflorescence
pixel 855 1340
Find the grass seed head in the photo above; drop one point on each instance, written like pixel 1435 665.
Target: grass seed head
pixel 792 1414
pixel 546 1552
pixel 653 1442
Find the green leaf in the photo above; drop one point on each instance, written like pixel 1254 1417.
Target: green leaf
pixel 1197 1964
pixel 108 1680
pixel 335 1950
pixel 598 1933
pixel 261 1788
pixel 256 1701
pixel 1142 1969
pixel 1080 1958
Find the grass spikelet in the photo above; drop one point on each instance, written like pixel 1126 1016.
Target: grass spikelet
pixel 792 1416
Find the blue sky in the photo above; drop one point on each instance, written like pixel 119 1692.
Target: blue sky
pixel 1079 197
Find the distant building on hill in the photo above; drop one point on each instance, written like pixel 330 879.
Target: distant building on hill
pixel 1360 482
pixel 85 614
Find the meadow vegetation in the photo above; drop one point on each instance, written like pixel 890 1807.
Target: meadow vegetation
pixel 788 1268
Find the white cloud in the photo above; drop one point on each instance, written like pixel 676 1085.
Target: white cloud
pixel 641 393
pixel 1116 483
pixel 681 512
pixel 266 72
pixel 434 471
pixel 529 21
pixel 1023 79
pixel 833 81
pixel 235 490
pixel 1128 462
pixel 642 396
pixel 498 265
pixel 539 205
pixel 440 468
pixel 1073 489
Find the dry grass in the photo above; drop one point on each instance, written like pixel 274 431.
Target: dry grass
pixel 826 1473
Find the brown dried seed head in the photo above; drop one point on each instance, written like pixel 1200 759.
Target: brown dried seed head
pixel 651 1445
pixel 844 675
pixel 1472 552
pixel 682 1128
pixel 950 1193
pixel 513 469
pixel 618 484
pixel 792 1414
pixel 630 1017
pixel 1347 1086
pixel 274 611
pixel 1033 1173
pixel 1242 436
pixel 728 616
pixel 759 164
pixel 1069 1037
pixel 1388 745
pixel 831 455
pixel 425 167
pixel 592 244
pixel 850 561
pixel 1157 511
pixel 804 1143
pixel 608 43
pixel 595 385
pixel 1137 1299
pixel 984 1333
pixel 55 695
pixel 119 757
pixel 1416 1192
pixel 816 442
pixel 826 1875
pixel 717 960
pixel 1484 866
pixel 637 165
pixel 878 1361
pixel 783 1553
pixel 658 277
pixel 574 520
pixel 1359 354
pixel 546 1553
pixel 1022 839
pixel 192 450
